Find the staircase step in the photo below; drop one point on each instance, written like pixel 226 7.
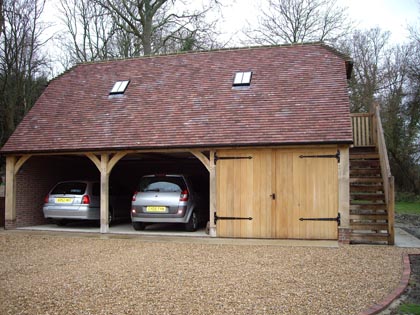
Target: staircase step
pixel 370 216
pixel 369 226
pixel 363 149
pixel 361 196
pixel 371 173
pixel 367 206
pixel 364 156
pixel 377 215
pixel 358 164
pixel 366 180
pixel 365 188
pixel 368 237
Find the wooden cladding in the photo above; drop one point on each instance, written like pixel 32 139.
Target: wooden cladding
pixel 362 130
pixel 302 188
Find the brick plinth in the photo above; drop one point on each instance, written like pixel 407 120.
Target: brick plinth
pixel 10 224
pixel 344 236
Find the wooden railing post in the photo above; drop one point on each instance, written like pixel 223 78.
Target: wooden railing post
pixel 391 212
pixel 375 116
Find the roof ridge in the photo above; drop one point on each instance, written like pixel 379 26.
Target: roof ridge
pixel 345 57
pixel 228 49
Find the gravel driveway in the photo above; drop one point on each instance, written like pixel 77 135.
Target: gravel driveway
pixel 61 274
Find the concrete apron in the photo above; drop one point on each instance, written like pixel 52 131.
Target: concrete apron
pixel 402 238
pixel 405 239
pixel 125 231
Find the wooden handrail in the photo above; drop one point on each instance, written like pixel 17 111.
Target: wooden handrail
pixel 388 179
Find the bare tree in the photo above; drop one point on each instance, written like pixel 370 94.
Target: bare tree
pixel 22 62
pixel 89 31
pixel 386 74
pixel 368 49
pixel 296 21
pixel 152 24
pixel 1 17
pixel 400 103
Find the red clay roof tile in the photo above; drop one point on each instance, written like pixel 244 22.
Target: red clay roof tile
pixel 298 94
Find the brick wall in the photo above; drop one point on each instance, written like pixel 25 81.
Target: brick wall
pixel 33 181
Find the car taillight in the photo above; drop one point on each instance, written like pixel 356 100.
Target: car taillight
pixel 85 200
pixel 184 195
pixel 47 199
pixel 134 196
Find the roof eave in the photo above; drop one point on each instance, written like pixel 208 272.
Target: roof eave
pixel 176 147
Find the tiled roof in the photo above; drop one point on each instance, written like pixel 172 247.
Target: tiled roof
pixel 298 94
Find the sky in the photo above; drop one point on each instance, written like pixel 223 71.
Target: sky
pixel 390 15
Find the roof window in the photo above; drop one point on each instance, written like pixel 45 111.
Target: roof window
pixel 242 78
pixel 119 87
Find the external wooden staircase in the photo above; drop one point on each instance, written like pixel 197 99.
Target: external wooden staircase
pixel 371 183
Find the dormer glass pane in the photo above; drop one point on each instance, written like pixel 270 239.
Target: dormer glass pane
pixel 119 87
pixel 242 78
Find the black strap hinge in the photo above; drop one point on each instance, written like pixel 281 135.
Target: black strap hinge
pixel 216 158
pixel 338 219
pixel 326 156
pixel 216 218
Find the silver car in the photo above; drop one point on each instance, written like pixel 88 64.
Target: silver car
pixel 80 200
pixel 167 199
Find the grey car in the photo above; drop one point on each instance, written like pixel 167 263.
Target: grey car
pixel 166 198
pixel 80 200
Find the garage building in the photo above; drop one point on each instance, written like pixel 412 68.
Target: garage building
pixel 267 129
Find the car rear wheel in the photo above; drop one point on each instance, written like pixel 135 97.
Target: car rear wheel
pixel 192 224
pixel 139 226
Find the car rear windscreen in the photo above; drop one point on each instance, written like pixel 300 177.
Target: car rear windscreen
pixel 71 188
pixel 162 184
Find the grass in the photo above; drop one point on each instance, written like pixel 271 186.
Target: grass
pixel 407 207
pixel 413 309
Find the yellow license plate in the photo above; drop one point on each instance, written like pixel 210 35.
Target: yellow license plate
pixel 63 200
pixel 155 209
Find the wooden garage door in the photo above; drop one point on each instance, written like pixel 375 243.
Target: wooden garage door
pixel 277 188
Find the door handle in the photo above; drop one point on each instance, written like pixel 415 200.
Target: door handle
pixel 273 196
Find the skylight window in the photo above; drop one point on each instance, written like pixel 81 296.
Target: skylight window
pixel 242 78
pixel 119 87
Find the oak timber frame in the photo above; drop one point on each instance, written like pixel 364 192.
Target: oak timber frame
pixel 105 162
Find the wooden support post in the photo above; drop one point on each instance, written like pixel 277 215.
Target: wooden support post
pixel 13 165
pixel 10 202
pixel 213 194
pixel 105 166
pixel 104 194
pixel 211 167
pixel 344 186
